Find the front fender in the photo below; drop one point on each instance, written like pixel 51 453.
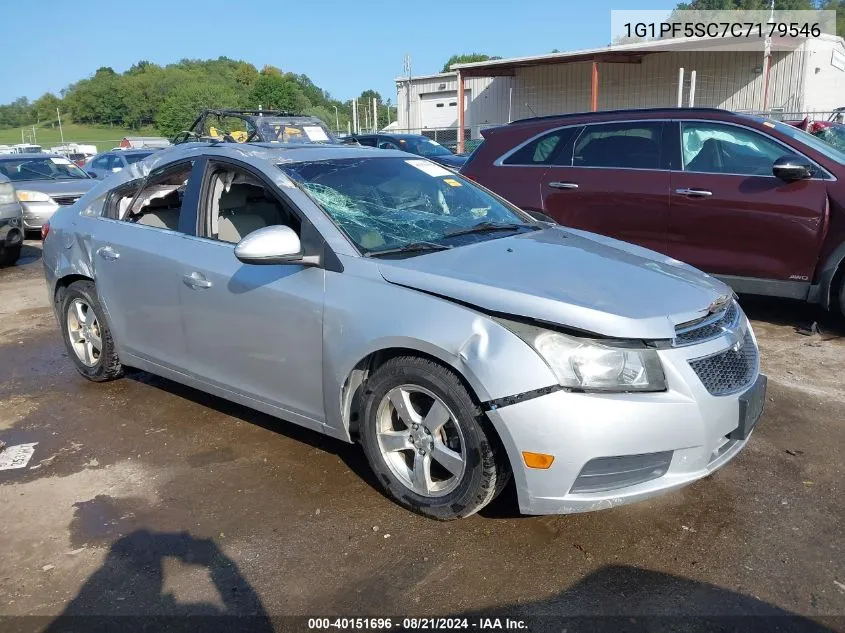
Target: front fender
pixel 366 315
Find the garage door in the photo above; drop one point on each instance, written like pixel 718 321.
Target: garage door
pixel 440 109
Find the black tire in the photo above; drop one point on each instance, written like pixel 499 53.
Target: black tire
pixel 107 366
pixel 9 255
pixel 486 470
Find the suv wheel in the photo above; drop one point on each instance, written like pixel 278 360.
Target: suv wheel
pixel 86 334
pixel 424 439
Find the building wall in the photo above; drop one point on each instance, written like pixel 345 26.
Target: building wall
pixel 727 79
pixel 825 82
pixel 487 100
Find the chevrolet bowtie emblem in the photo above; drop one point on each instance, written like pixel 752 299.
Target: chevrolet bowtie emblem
pixel 718 305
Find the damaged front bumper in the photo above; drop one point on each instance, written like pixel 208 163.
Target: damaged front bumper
pixel 614 449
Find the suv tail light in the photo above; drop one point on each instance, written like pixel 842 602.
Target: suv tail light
pixel 45 230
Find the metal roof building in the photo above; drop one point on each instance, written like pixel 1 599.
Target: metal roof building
pixel 803 76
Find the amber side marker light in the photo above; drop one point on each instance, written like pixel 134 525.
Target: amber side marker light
pixel 537 460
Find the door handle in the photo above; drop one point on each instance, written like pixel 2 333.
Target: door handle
pixel 694 193
pixel 563 185
pixel 196 280
pixel 107 252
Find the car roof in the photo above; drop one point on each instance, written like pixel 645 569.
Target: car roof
pixel 30 155
pixel 627 111
pixel 275 152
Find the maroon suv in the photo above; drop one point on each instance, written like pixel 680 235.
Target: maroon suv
pixel 758 203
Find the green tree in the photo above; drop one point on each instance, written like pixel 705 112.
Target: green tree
pixel 466 58
pixel 183 105
pixel 45 107
pixel 273 91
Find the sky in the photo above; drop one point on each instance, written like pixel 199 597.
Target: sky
pixel 344 47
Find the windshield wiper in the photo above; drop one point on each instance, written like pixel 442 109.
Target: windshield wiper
pixel 413 247
pixel 489 227
pixel 38 173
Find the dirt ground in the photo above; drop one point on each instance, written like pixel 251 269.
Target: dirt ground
pixel 146 497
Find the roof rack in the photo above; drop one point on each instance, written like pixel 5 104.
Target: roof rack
pixel 196 131
pixel 622 111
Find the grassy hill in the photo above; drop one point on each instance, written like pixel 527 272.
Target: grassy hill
pixel 103 137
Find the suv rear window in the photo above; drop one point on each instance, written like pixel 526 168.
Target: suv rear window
pixel 635 144
pixel 544 150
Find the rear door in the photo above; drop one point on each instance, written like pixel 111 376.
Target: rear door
pixel 518 175
pixel 731 216
pixel 139 251
pixel 614 181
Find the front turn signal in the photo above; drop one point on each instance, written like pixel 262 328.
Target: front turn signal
pixel 540 461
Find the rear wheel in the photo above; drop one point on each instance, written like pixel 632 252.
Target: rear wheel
pixel 86 334
pixel 426 440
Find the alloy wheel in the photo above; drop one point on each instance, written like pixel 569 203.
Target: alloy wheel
pixel 421 441
pixel 84 331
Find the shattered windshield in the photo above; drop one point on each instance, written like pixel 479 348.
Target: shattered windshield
pixel 389 203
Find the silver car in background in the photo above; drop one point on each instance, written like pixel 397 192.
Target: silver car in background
pixel 11 218
pixel 378 297
pixel 43 183
pixel 108 163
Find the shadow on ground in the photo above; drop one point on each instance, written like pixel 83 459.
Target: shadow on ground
pixel 131 583
pixel 127 594
pixel 622 598
pixel 798 314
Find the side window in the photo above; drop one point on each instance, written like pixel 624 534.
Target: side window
pixel 385 144
pixel 714 148
pixel 369 141
pixel 238 203
pixel 101 162
pixel 116 162
pixel 545 150
pixel 621 145
pixel 159 202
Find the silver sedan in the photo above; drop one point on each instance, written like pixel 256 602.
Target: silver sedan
pixel 377 297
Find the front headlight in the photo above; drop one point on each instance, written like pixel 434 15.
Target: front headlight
pixel 32 196
pixel 581 363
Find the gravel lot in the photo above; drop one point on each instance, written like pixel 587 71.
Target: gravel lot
pixel 144 496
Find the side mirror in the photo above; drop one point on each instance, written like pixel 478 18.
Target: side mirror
pixel 792 168
pixel 270 245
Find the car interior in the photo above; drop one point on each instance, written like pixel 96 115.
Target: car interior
pixel 239 204
pixel 159 203
pixel 619 151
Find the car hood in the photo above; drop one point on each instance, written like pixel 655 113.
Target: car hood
pixel 69 187
pixel 567 277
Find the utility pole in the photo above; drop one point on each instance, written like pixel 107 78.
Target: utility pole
pixel 767 58
pixel 375 114
pixel 336 121
pixel 61 132
pixel 408 96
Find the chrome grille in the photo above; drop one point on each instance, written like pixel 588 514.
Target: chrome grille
pixel 66 200
pixel 707 328
pixel 728 371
